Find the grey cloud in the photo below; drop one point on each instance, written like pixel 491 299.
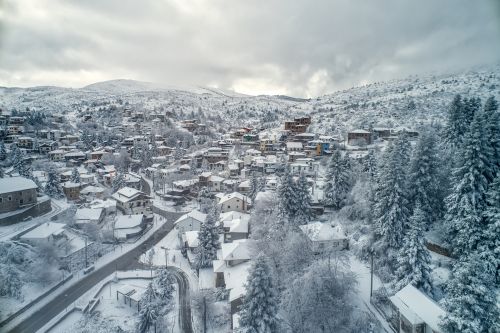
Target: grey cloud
pixel 295 47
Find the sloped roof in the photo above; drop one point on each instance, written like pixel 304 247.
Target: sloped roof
pixel 14 184
pixel 418 307
pixel 318 232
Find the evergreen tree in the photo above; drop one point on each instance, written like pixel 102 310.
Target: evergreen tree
pixel 454 127
pixel 208 241
pixel 464 219
pixel 492 129
pixel 338 181
pixel 3 152
pixel 260 303
pixel 53 186
pixel 75 176
pixel 414 259
pixel 287 200
pixel 149 310
pixel 424 178
pixel 470 107
pixel 470 302
pixel 489 247
pixel 304 201
pixel 118 182
pixel 370 164
pixel 391 207
pixel 164 286
pixel 255 187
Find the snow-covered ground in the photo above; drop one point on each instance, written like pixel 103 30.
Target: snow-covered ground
pixel 105 259
pixel 124 315
pixel 363 275
pixel 171 245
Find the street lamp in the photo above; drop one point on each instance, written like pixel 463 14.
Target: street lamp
pixel 166 255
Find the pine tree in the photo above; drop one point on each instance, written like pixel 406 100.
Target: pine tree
pixel 118 182
pixel 338 181
pixel 254 187
pixel 75 176
pixel 424 178
pixel 489 246
pixel 470 302
pixel 260 304
pixel 304 201
pixel 149 309
pixel 164 286
pixel 391 206
pixel 492 124
pixel 370 164
pixel 53 186
pixel 470 107
pixel 3 152
pixel 414 259
pixel 464 219
pixel 286 196
pixel 454 128
pixel 208 241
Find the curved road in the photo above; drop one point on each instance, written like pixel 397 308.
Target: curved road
pixel 127 261
pixel 184 300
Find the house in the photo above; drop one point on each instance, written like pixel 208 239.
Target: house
pixel 44 233
pixel 190 241
pixel 25 142
pixel 132 180
pixel 17 193
pixel 235 225
pixel 132 201
pixel 234 202
pixel 128 226
pixel 359 137
pixel 190 222
pixel 215 183
pixel 415 312
pixel 92 192
pixel 57 155
pixel 304 165
pixel 72 190
pixel 322 236
pixel 89 215
pixel 294 146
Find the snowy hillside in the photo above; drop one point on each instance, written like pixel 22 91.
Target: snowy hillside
pixel 407 102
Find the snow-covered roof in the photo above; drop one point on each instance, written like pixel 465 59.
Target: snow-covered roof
pixel 236 195
pixel 88 214
pixel 92 189
pixel 238 226
pixel 237 250
pixel 194 214
pixel 191 238
pixel 206 278
pixel 318 232
pixel 14 184
pixel 216 179
pixel 126 194
pixel 44 230
pixel 418 307
pixel 235 278
pixel 128 221
pixel 294 145
pixel 359 131
pixel 228 216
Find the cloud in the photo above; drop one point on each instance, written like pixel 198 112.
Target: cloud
pixel 301 48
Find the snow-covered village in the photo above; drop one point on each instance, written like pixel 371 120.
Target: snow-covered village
pixel 153 183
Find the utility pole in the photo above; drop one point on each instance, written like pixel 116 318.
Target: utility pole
pixel 371 274
pixel 86 261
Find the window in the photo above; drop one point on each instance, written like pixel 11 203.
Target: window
pixel 9 197
pixel 21 201
pixel 228 206
pixel 1 200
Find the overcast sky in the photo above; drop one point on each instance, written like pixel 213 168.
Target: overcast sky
pixel 294 47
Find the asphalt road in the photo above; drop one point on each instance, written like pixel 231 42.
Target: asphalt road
pixel 184 300
pixel 127 261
